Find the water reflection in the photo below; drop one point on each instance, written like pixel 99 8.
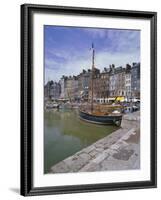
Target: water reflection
pixel 65 134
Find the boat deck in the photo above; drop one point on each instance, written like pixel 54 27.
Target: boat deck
pixel 102 110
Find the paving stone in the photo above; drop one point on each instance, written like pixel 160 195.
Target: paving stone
pixel 93 153
pixel 112 164
pixel 126 137
pixel 98 145
pixel 92 167
pixel 88 149
pixel 111 151
pixel 86 157
pixel 115 147
pixel 100 149
pixel 106 147
pixel 60 168
pixel 101 157
pixel 76 164
pixel 123 154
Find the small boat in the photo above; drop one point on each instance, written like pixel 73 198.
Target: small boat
pixel 52 105
pixel 55 105
pixel 100 114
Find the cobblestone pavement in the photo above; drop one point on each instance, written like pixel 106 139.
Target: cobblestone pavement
pixel 117 151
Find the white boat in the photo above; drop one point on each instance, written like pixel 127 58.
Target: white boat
pixel 52 105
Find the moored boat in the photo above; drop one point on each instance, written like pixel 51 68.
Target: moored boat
pixel 52 105
pixel 100 114
pixel 106 119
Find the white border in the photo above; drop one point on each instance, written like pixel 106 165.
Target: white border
pixel 41 180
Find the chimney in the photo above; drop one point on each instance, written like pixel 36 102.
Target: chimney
pixel 128 67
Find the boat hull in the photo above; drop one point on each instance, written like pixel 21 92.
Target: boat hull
pixel 105 120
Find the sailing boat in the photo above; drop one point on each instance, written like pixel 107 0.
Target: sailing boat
pixel 100 114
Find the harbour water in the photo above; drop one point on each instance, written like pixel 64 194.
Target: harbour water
pixel 65 134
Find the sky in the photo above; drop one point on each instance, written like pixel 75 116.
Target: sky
pixel 67 49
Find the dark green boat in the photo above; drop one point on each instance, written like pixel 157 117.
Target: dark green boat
pixel 105 120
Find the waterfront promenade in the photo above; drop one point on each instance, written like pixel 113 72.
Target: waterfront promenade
pixel 117 151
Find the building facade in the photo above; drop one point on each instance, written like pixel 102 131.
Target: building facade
pixel 63 86
pixel 47 90
pixel 84 79
pixel 117 81
pixel 74 89
pixel 52 90
pixel 96 85
pixel 135 80
pixel 112 82
pixel 119 76
pixel 128 94
pixel 69 88
pixel 104 85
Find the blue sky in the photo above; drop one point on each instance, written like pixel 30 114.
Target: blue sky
pixel 67 49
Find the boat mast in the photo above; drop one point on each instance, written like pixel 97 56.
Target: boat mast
pixel 93 52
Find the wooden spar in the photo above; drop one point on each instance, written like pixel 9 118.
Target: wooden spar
pixel 93 52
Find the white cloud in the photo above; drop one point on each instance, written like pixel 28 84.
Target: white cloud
pixel 117 47
pixel 103 59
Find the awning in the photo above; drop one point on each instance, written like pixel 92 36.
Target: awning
pixel 120 98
